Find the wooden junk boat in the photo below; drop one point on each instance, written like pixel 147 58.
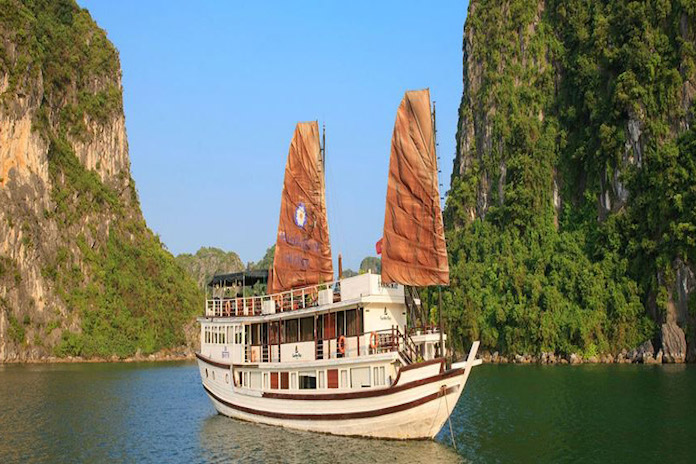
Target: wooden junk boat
pixel 340 356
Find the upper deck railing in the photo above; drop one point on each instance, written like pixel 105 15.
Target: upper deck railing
pixel 303 298
pixel 291 300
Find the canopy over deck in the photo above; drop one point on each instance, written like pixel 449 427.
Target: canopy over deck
pixel 239 279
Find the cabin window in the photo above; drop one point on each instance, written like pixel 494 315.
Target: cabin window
pixel 344 378
pixel 332 378
pixel 340 323
pixel 352 328
pixel 360 377
pixel 378 375
pixel 212 372
pixel 291 331
pixel 227 378
pixel 293 381
pixel 321 379
pixel 274 380
pixel 329 321
pixel 255 380
pixel 273 334
pixel 206 373
pixel 284 380
pixel 255 328
pixel 306 329
pixel 308 380
pixel 247 334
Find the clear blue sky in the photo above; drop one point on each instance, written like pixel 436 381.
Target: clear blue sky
pixel 212 92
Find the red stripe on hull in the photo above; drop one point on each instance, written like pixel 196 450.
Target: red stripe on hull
pixel 336 416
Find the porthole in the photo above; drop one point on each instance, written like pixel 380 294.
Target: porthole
pixel 206 372
pixel 227 378
pixel 213 375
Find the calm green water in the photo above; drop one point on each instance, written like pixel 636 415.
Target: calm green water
pixel 159 413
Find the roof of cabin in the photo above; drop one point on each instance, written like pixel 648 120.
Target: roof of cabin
pixel 243 278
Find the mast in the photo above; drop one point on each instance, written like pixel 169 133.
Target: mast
pixel 323 149
pixel 439 287
pixel 414 252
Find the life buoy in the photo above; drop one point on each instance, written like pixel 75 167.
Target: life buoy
pixel 342 344
pixel 228 307
pixel 374 340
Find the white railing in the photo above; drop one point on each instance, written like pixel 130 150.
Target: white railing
pixel 291 300
pixel 384 341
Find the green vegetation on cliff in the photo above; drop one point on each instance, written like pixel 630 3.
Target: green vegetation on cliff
pixel 572 194
pixel 265 262
pixel 209 261
pixel 122 290
pixel 372 264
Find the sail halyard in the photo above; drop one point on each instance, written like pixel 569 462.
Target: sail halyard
pixel 303 250
pixel 413 248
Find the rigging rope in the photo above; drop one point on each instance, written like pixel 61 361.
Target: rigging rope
pixel 449 420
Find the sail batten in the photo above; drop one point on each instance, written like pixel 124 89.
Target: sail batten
pixel 413 247
pixel 303 251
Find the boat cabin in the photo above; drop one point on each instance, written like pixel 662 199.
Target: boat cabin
pixel 346 334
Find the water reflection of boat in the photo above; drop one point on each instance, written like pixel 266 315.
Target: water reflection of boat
pixel 351 356
pixel 224 440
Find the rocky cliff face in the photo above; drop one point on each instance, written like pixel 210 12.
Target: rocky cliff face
pixel 80 273
pixel 571 111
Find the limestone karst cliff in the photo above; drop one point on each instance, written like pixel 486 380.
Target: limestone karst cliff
pixel 80 272
pixel 571 213
pixel 209 261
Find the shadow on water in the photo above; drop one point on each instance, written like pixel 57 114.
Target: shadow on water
pixel 223 439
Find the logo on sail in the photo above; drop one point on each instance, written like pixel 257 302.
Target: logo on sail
pixel 300 216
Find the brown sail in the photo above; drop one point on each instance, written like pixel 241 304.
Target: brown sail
pixel 303 252
pixel 413 245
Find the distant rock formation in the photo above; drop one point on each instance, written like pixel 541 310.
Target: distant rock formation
pixel 209 261
pixel 372 264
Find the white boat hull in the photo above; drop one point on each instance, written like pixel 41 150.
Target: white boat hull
pixel 416 406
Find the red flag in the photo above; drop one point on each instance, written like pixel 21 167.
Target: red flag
pixel 378 246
